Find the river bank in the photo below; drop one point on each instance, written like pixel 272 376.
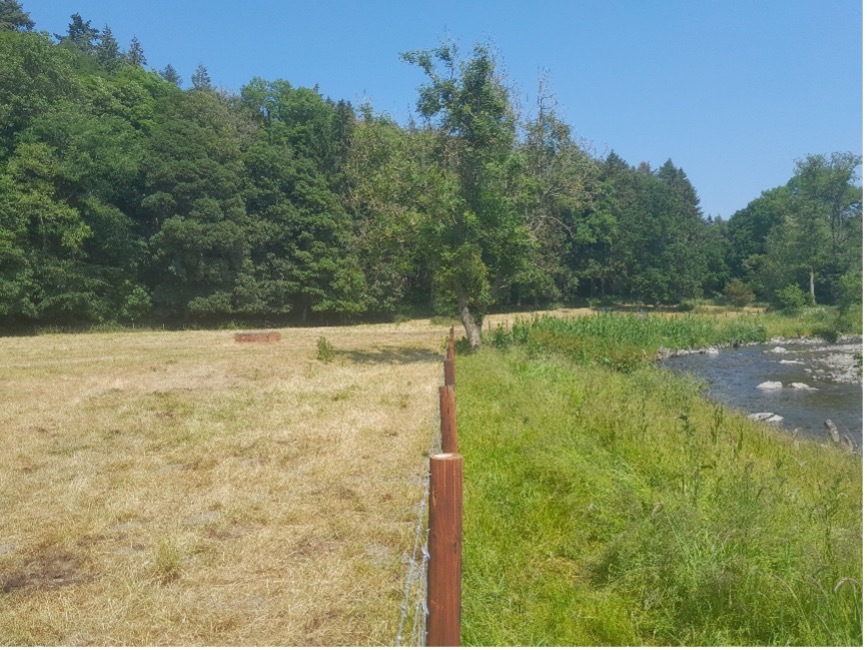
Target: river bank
pixel 622 508
pixel 842 364
pixel 798 383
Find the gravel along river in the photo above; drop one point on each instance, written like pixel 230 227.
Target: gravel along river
pixel 798 384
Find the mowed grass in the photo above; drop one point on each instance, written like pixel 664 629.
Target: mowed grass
pixel 184 489
pixel 621 508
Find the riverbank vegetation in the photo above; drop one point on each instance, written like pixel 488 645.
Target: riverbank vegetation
pixel 608 503
pixel 130 196
pixel 624 341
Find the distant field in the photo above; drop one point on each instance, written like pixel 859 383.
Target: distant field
pixel 181 488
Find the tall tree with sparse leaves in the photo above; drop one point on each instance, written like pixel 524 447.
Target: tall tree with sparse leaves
pixel 477 244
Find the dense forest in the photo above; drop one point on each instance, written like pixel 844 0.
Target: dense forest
pixel 129 196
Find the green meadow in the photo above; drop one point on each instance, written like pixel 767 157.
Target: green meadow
pixel 608 503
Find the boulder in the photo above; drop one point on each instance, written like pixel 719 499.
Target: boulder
pixel 832 430
pixel 765 417
pixel 770 385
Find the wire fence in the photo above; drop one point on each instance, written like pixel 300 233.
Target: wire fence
pixel 411 630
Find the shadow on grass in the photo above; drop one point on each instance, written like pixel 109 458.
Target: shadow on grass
pixel 393 355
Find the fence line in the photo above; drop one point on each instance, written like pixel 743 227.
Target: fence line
pixel 433 583
pixel 445 528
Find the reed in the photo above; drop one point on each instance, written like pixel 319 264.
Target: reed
pixel 627 341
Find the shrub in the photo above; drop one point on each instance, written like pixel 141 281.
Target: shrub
pixel 851 291
pixel 324 350
pixel 738 293
pixel 791 300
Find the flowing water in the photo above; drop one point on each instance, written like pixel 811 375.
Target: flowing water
pixel 825 383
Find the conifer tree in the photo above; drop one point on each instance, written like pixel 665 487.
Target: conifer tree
pixel 107 50
pixel 136 55
pixel 171 75
pixel 14 18
pixel 201 79
pixel 80 35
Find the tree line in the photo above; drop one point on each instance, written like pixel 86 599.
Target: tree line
pixel 127 197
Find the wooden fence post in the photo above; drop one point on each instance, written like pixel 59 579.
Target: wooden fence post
pixel 448 420
pixel 449 371
pixel 449 362
pixel 445 540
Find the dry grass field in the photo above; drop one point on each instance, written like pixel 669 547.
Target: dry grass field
pixel 181 488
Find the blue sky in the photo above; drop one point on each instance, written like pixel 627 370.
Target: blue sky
pixel 733 91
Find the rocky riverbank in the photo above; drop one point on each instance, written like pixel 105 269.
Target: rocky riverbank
pixel 838 362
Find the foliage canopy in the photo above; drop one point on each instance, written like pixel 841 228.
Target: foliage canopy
pixel 124 197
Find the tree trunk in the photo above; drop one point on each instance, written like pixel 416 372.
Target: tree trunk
pixel 813 285
pixel 472 325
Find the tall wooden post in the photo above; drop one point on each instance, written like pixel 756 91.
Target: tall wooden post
pixel 448 420
pixel 445 541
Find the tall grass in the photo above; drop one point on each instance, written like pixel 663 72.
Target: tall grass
pixel 625 341
pixel 611 508
pixel 826 322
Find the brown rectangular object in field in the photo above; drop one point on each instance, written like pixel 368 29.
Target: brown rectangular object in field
pixel 257 337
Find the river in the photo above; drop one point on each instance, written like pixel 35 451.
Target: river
pixel 817 382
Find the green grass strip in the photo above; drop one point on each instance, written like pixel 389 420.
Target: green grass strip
pixel 610 508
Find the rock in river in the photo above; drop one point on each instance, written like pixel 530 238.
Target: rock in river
pixel 765 417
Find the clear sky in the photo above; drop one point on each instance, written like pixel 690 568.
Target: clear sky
pixel 733 91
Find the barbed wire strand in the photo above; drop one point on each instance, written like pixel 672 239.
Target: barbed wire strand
pixel 416 579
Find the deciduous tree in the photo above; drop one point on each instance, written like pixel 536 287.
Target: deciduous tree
pixel 477 244
pixel 818 239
